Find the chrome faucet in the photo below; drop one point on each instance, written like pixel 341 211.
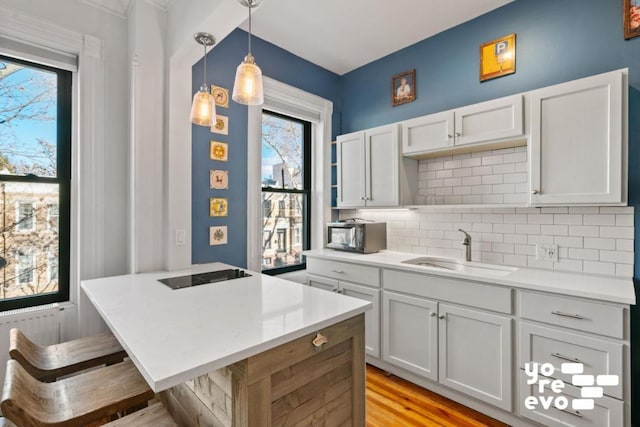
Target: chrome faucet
pixel 467 243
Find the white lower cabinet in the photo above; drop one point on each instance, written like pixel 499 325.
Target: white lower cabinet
pixel 475 354
pixel 371 317
pixel 467 350
pixel 410 333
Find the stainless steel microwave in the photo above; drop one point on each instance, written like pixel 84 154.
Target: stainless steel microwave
pixel 357 236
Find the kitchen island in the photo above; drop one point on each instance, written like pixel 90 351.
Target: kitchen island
pixel 252 351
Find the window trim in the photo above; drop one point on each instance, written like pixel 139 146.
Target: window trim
pixel 64 147
pixel 294 102
pixel 33 218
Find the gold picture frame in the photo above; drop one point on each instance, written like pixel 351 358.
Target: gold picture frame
pixel 403 87
pixel 218 206
pixel 218 151
pixel 221 126
pixel 631 18
pixel 220 95
pixel 498 57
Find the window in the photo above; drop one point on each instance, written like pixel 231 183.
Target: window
pixel 297 235
pixel 25 273
pixel 267 240
pixel 286 178
pixel 24 219
pixel 52 219
pixel 35 182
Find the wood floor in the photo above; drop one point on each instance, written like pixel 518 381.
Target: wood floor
pixel 392 401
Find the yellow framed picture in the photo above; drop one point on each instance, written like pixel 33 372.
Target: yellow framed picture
pixel 218 207
pixel 221 126
pixel 218 151
pixel 498 57
pixel 220 95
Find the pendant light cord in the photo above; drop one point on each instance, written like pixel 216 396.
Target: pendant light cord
pixel 204 79
pixel 250 3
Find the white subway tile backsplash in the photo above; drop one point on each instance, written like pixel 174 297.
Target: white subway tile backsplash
pixel 597 243
pixel 624 245
pixel 596 240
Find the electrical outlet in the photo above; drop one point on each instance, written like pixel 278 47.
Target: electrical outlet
pixel 181 237
pixel 546 252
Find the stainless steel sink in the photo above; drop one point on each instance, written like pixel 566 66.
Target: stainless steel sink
pixel 462 266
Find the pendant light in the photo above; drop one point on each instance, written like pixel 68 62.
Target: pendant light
pixel 247 88
pixel 203 109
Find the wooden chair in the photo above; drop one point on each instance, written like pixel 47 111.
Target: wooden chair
pixel 48 363
pixel 74 401
pixel 155 415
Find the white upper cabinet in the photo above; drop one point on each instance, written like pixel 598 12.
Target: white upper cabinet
pixel 428 133
pixel 488 122
pixel 493 120
pixel 578 142
pixel 371 172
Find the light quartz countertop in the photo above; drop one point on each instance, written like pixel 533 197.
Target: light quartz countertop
pixel 176 335
pixel 602 288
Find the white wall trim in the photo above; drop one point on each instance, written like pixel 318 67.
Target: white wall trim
pixel 277 96
pixel 87 176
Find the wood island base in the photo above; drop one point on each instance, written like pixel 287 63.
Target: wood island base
pixel 294 384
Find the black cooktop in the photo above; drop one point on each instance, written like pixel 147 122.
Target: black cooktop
pixel 203 278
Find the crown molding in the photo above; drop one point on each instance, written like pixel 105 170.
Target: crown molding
pixel 120 8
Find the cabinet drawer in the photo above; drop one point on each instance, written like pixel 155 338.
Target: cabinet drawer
pixel 474 294
pixel 607 412
pixel 361 274
pixel 573 313
pixel 548 345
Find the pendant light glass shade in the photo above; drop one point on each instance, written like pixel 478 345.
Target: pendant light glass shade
pixel 247 88
pixel 203 108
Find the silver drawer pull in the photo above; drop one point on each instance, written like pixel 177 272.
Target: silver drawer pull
pixel 569 411
pixel 563 357
pixel 563 314
pixel 338 271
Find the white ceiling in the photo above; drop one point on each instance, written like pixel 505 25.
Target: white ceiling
pixel 342 35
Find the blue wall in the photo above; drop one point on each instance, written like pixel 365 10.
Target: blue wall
pixel 221 67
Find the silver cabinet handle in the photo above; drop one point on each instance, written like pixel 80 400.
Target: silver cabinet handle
pixel 449 136
pixel 569 411
pixel 441 316
pixel 569 358
pixel 338 271
pixel 433 313
pixel 563 314
pixel 534 191
pixel 458 134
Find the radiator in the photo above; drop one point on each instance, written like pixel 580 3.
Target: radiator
pixel 41 324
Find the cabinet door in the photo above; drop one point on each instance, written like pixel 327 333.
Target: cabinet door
pixel 475 354
pixel 576 145
pixel 371 317
pixel 493 120
pixel 351 159
pixel 322 283
pixel 381 167
pixel 410 334
pixel 427 133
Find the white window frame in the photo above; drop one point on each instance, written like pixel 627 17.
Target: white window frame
pixel 49 206
pixel 33 219
pixel 19 284
pixel 294 102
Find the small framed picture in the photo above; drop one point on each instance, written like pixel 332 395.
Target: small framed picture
pixel 403 88
pixel 221 96
pixel 631 18
pixel 221 126
pixel 218 235
pixel 219 180
pixel 218 207
pixel 498 57
pixel 218 151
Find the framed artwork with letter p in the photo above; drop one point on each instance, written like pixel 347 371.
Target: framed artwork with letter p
pixel 498 57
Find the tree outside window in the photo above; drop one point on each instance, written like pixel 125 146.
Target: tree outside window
pixel 286 180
